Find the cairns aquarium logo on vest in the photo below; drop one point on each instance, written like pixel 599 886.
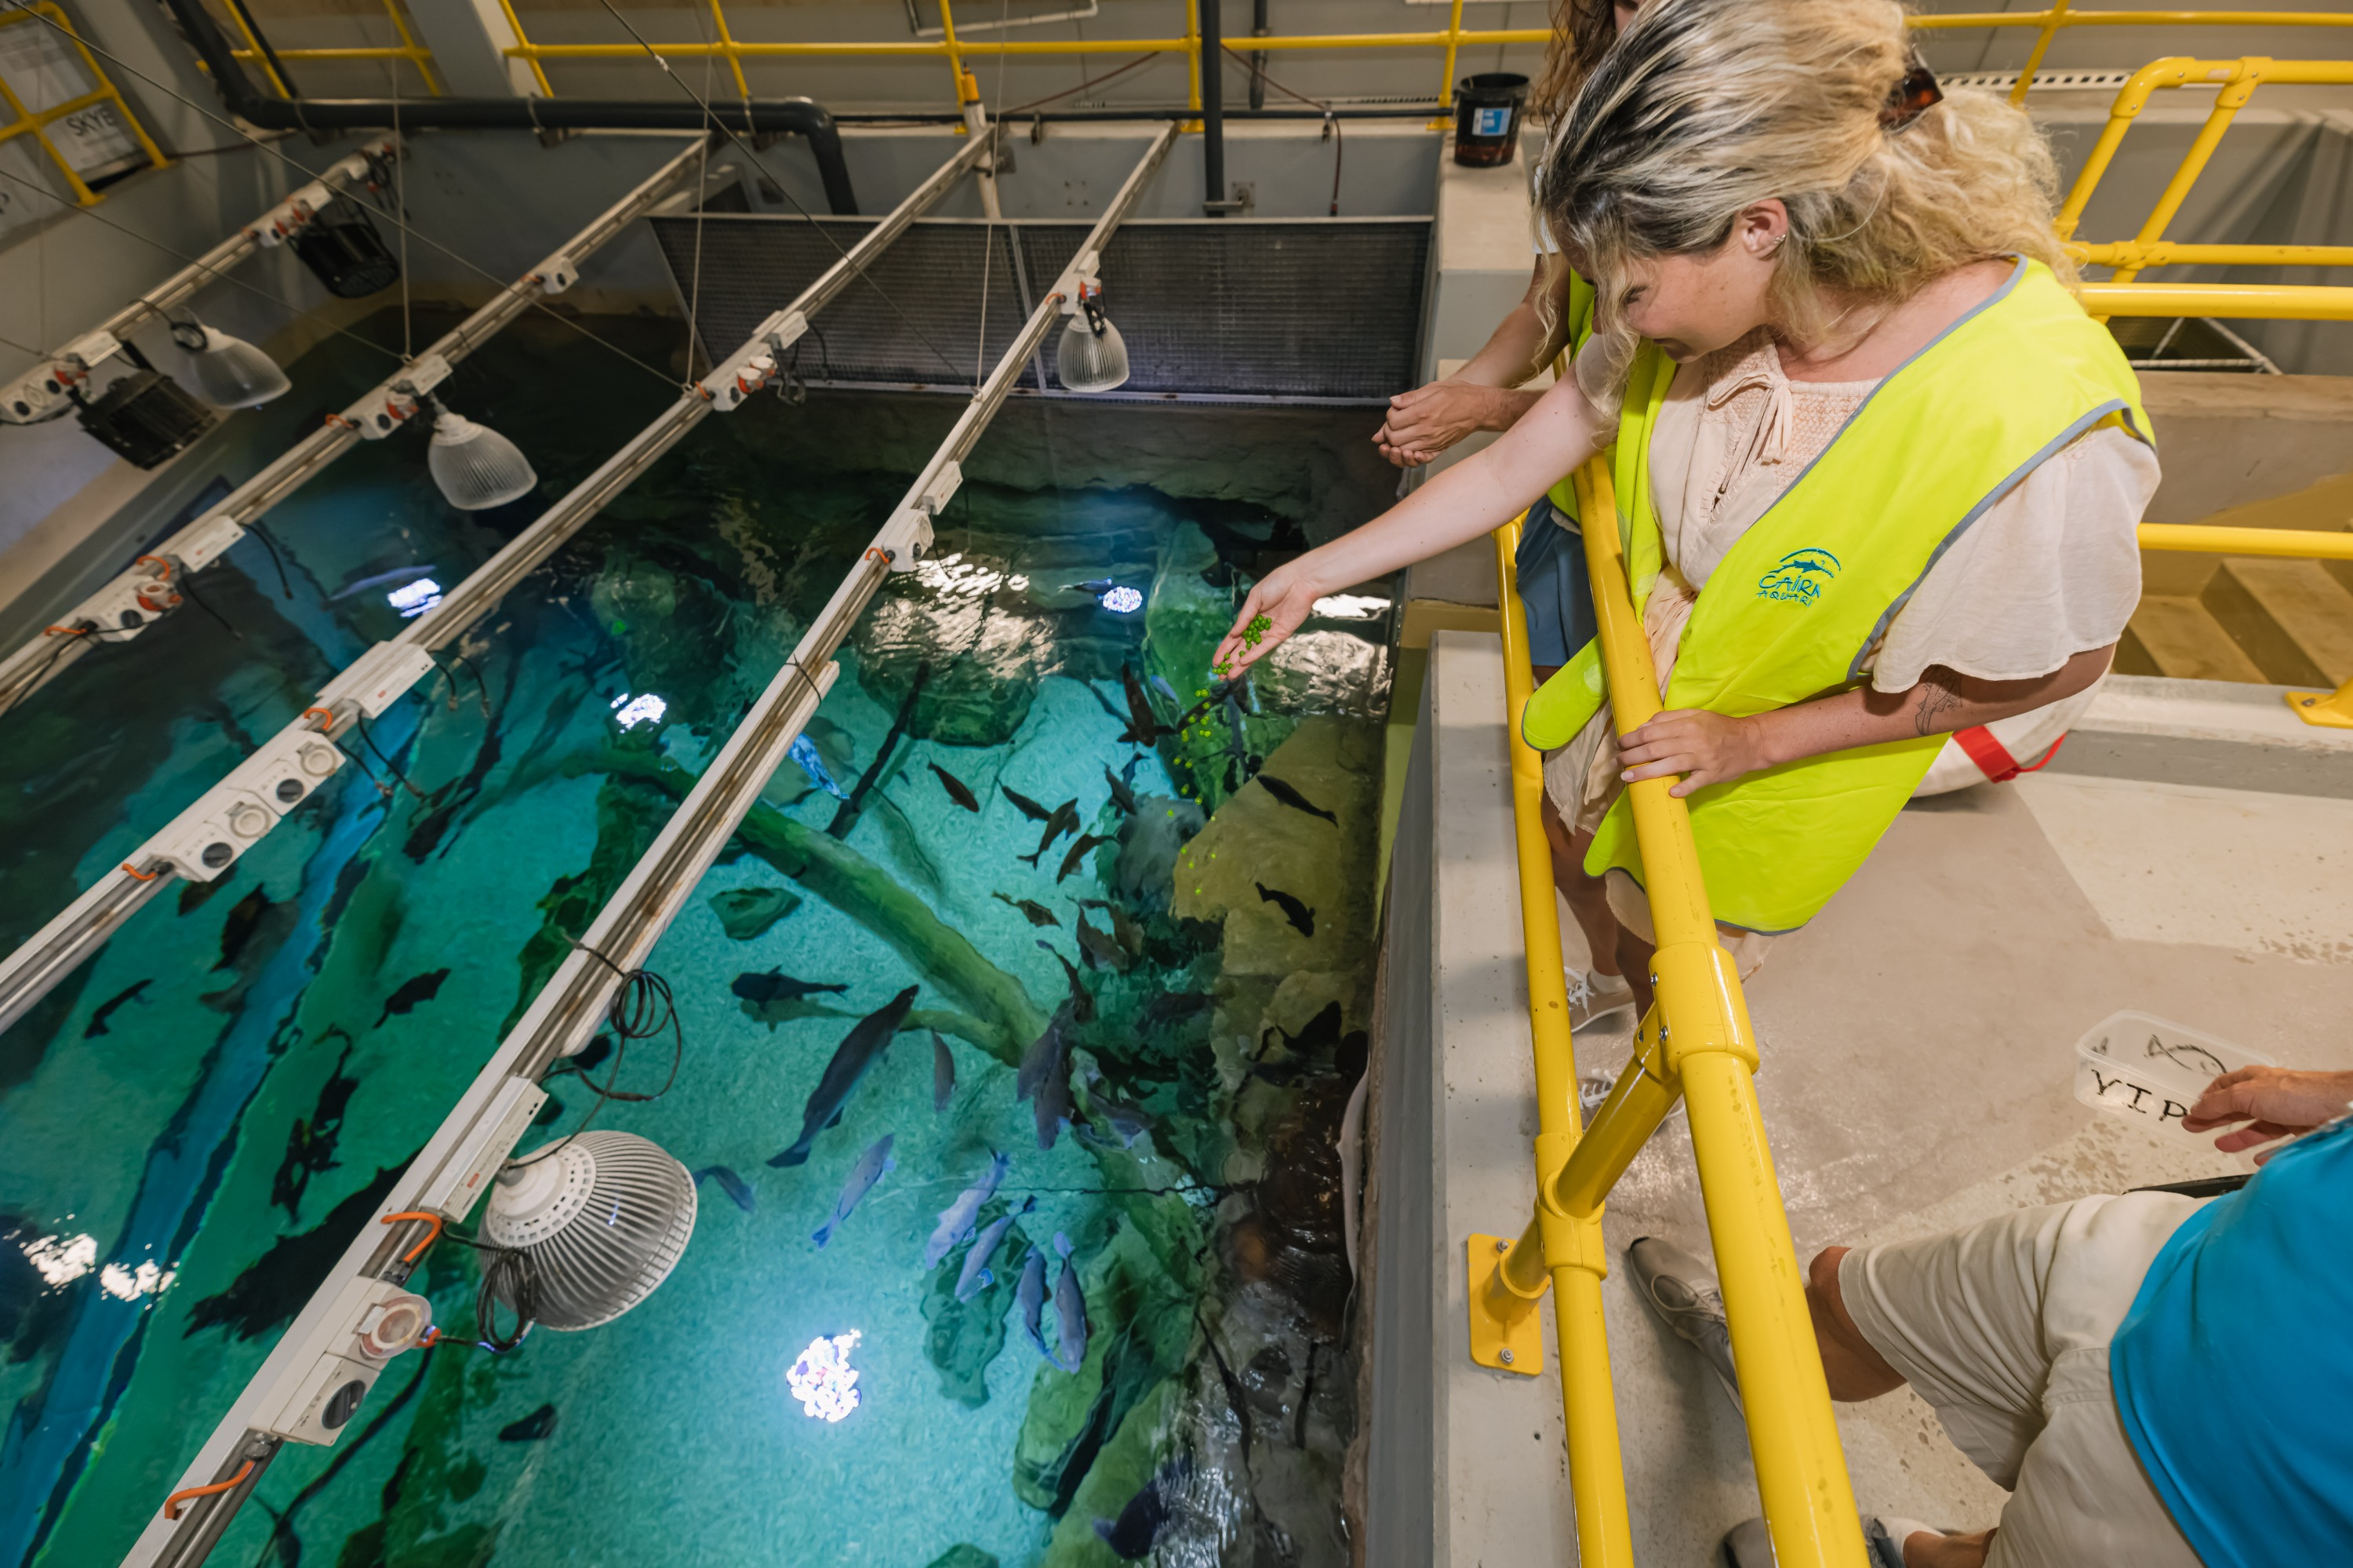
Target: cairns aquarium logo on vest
pixel 1798 576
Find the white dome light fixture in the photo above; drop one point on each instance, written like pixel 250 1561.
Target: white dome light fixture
pixel 1091 356
pixel 599 1219
pixel 475 467
pixel 230 372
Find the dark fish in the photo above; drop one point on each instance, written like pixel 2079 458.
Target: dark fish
pixel 237 930
pixel 1120 795
pixel 1170 1005
pixel 777 986
pixel 1298 914
pixel 531 1428
pixel 735 1186
pixel 275 1285
pixel 1092 585
pixel 955 1220
pixel 976 1275
pixel 1024 804
pixel 1236 741
pixel 310 1142
pixel 1084 845
pixel 1137 1528
pixel 1144 727
pixel 1294 799
pixel 1069 1312
pixel 1123 924
pixel 419 988
pixel 1098 948
pixel 1127 769
pixel 106 1008
pixel 1051 1109
pixel 862 1176
pixel 858 1050
pixel 1127 1121
pixel 1082 1000
pixel 1044 1055
pixel 942 1073
pixel 954 786
pixel 1029 1296
pixel 1064 819
pixel 1038 914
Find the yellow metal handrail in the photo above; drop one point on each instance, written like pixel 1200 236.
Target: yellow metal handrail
pixel 407 50
pixel 1696 1044
pixel 24 122
pixel 2329 710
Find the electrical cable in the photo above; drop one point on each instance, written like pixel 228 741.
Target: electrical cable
pixel 269 544
pixel 390 766
pixel 729 132
pixel 269 147
pixel 187 585
pixel 520 1277
pixel 1331 121
pixel 642 1009
pixel 294 310
pixel 1020 109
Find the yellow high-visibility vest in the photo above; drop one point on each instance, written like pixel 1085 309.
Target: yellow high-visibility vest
pixel 1794 608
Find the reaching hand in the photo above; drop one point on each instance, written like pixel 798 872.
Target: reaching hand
pixel 1708 747
pixel 2274 1102
pixel 1283 598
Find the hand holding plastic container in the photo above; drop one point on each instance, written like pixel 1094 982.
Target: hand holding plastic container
pixel 2152 1070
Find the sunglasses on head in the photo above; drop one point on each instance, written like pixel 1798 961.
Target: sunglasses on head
pixel 1911 98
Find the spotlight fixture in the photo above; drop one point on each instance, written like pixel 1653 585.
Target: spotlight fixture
pixel 230 372
pixel 598 1220
pixel 1091 356
pixel 476 467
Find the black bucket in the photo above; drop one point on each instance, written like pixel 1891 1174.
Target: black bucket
pixel 1487 118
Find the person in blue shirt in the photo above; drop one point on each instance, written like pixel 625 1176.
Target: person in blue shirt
pixel 2160 1381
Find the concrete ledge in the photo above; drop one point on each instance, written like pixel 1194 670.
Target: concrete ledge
pixel 2217 733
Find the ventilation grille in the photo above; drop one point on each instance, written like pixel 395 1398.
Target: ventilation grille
pixel 1329 309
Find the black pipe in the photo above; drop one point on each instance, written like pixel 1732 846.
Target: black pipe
pixel 800 116
pixel 1259 29
pixel 1146 112
pixel 1213 107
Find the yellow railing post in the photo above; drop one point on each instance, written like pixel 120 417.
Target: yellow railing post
pixel 528 50
pixel 1446 71
pixel 1703 1040
pixel 1507 1278
pixel 2052 20
pixel 1192 56
pixel 36 124
pixel 727 42
pixel 2238 86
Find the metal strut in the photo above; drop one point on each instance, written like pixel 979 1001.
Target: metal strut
pixel 473 1141
pixel 114 613
pixel 226 822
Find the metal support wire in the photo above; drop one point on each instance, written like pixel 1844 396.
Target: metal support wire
pixel 202 541
pixel 568 1010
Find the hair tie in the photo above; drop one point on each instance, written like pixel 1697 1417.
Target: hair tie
pixel 1910 98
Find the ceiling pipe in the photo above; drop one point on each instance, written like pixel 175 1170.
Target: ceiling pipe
pixel 801 117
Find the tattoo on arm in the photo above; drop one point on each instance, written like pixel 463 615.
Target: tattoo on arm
pixel 1937 698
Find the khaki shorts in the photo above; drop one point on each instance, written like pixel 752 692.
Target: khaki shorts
pixel 2003 1327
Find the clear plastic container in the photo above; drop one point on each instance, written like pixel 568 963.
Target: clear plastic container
pixel 2152 1070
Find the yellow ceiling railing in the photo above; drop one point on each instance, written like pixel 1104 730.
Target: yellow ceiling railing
pixel 408 50
pixel 25 121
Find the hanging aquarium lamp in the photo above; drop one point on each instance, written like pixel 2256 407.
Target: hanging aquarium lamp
pixel 1091 356
pixel 475 467
pixel 230 372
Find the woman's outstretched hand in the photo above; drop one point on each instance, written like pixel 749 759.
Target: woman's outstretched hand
pixel 1707 747
pixel 1282 599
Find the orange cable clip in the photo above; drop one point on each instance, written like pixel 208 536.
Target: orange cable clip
pixel 136 874
pixel 433 1235
pixel 172 1504
pixel 327 714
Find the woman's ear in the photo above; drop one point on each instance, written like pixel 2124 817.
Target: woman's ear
pixel 1761 227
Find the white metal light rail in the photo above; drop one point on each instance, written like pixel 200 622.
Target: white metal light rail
pixel 229 819
pixel 335 1341
pixel 41 393
pixel 129 603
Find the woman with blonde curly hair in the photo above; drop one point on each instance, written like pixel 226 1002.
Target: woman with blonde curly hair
pixel 1878 473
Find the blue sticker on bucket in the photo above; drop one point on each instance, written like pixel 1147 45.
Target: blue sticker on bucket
pixel 1489 122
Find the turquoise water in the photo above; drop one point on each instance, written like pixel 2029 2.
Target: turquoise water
pixel 222 1095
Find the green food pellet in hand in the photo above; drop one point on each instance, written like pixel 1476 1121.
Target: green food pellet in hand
pixel 1255 632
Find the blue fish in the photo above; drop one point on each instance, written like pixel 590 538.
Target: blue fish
pixel 1031 1297
pixel 862 1176
pixel 1166 690
pixel 735 1186
pixel 955 1220
pixel 804 751
pixel 977 1275
pixel 867 1041
pixel 1069 1312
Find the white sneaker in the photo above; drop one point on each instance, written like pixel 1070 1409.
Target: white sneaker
pixel 1594 996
